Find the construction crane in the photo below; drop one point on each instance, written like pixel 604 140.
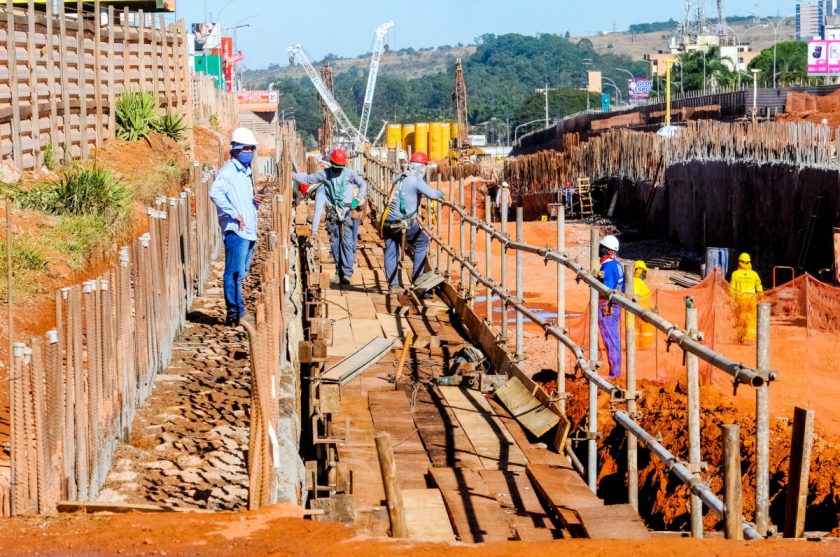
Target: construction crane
pixel 347 129
pixel 460 97
pixel 326 136
pixel 378 47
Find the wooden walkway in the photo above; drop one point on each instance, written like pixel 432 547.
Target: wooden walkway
pixel 468 471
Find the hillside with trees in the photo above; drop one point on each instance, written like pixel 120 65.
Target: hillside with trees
pixel 502 75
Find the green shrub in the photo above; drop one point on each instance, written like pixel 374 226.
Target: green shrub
pixel 27 255
pixel 171 125
pixel 214 122
pixel 135 115
pixel 80 191
pixel 79 237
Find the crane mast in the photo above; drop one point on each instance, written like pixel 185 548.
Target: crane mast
pixel 461 107
pixel 378 47
pixel 326 136
pixel 344 124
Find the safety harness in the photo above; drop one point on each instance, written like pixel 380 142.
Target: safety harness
pixel 396 225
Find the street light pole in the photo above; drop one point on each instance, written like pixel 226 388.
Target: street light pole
pixel 755 93
pixel 546 104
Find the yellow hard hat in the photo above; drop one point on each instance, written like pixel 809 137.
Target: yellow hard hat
pixel 640 265
pixel 744 258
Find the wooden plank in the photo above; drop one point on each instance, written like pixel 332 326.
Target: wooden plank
pixel 81 67
pixel 366 329
pixel 111 73
pixel 167 62
pixel 475 514
pixel 126 59
pixel 426 516
pixel 391 414
pixel 527 410
pixel 565 493
pixel 97 69
pixel 50 46
pixel 34 120
pixel 536 453
pixel 355 364
pixel 517 496
pixel 141 49
pixel 442 435
pixel 11 54
pixel 155 58
pixel 492 441
pixel 613 522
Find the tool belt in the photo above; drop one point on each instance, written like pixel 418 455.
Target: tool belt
pixel 397 226
pixel 336 214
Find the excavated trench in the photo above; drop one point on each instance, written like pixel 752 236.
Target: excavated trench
pixel 189 443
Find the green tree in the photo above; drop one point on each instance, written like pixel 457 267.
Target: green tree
pixel 696 65
pixel 791 63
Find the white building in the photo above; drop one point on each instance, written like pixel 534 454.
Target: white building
pixel 809 20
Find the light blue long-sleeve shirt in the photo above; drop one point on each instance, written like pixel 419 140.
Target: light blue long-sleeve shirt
pixel 233 194
pixel 337 190
pixel 407 197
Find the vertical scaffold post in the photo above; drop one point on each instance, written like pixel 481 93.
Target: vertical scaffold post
pixel 519 294
pixel 733 514
pixel 630 342
pixel 474 214
pixel 461 247
pixel 488 259
pixel 692 366
pixel 504 231
pixel 762 422
pixel 592 430
pixel 561 312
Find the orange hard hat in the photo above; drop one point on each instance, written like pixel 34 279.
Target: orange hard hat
pixel 338 157
pixel 421 157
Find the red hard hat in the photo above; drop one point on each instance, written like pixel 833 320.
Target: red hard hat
pixel 304 188
pixel 339 157
pixel 420 157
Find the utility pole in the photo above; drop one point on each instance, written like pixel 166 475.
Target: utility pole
pixel 546 104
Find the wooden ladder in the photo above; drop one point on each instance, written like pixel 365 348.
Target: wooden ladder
pixel 585 197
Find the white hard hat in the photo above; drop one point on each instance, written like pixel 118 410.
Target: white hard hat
pixel 243 136
pixel 505 185
pixel 610 242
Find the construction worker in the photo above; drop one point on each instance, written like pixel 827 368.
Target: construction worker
pixel 746 286
pixel 236 204
pixel 343 205
pixel 400 226
pixel 644 330
pixel 503 196
pixel 612 275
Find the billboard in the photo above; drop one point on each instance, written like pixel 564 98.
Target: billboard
pixel 206 36
pixel 258 101
pixel 639 88
pixel 823 58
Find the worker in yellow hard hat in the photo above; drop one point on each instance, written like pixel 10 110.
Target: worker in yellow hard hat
pixel 644 330
pixel 746 287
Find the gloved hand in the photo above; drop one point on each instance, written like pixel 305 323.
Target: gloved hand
pixel 354 204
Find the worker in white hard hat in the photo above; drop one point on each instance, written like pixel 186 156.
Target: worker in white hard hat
pixel 612 275
pixel 503 198
pixel 237 204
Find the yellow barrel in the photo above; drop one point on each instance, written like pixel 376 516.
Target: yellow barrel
pixel 445 131
pixel 421 137
pixel 394 136
pixel 407 136
pixel 453 130
pixel 436 144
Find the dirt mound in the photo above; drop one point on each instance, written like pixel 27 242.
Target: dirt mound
pixel 129 158
pixel 208 146
pixel 806 107
pixel 663 499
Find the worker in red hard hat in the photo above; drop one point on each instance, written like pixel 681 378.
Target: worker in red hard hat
pixel 335 191
pixel 399 223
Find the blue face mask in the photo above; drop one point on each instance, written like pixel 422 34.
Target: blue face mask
pixel 245 157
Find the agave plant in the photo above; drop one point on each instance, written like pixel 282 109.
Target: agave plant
pixel 171 125
pixel 135 114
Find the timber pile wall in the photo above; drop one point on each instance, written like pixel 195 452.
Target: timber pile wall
pixel 59 78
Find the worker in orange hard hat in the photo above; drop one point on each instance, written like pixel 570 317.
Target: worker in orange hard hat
pixel 642 293
pixel 335 191
pixel 745 286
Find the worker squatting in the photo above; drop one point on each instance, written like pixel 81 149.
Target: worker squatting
pixel 341 199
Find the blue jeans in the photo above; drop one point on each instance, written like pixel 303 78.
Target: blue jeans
pixel 416 238
pixel 238 253
pixel 611 333
pixel 343 245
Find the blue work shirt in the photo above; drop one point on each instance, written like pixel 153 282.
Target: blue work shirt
pixel 233 194
pixel 613 274
pixel 407 197
pixel 337 190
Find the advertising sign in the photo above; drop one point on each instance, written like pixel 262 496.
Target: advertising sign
pixel 823 58
pixel 258 101
pixel 639 88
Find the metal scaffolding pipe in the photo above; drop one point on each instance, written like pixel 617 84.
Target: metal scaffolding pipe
pixel 519 295
pixel 762 423
pixel 561 311
pixel 592 430
pixel 630 342
pixel 682 473
pixel 692 367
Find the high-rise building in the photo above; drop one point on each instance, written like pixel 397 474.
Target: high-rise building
pixel 810 18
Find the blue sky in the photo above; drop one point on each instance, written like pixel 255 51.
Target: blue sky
pixel 346 27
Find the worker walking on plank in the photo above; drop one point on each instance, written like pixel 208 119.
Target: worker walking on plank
pixel 745 285
pixel 236 204
pixel 399 223
pixel 612 274
pixel 644 330
pixel 343 204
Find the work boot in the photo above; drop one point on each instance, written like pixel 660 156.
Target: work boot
pixel 231 321
pixel 344 280
pixel 246 317
pixel 394 289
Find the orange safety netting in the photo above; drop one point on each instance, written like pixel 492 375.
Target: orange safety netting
pixel 804 304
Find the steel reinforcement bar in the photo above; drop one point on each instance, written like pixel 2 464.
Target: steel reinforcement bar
pixel 380 174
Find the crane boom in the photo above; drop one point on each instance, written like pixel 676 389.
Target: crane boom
pixel 371 83
pixel 347 127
